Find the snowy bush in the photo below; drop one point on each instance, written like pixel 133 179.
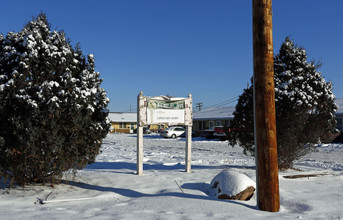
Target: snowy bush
pixel 53 111
pixel 304 104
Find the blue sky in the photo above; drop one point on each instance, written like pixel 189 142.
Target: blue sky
pixel 177 47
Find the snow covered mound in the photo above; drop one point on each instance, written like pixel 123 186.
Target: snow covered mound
pixel 228 184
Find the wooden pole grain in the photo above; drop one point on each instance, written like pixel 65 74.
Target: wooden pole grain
pixel 264 107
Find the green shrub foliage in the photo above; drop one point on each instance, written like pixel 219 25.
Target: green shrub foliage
pixel 304 105
pixel 53 113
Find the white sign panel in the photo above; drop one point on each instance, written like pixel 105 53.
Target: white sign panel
pixel 164 110
pixel 160 116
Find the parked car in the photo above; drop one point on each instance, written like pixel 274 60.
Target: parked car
pixel 219 132
pixel 208 133
pixel 146 130
pixel 184 134
pixel 172 132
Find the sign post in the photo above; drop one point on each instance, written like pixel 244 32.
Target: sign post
pixel 140 114
pixel 188 148
pixel 164 110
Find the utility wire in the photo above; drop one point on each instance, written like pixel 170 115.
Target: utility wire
pixel 223 103
pixel 220 104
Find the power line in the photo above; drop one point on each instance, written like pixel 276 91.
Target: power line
pixel 223 103
pixel 199 105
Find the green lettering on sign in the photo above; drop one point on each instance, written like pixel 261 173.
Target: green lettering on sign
pixel 160 104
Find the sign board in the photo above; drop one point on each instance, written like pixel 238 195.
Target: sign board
pixel 164 110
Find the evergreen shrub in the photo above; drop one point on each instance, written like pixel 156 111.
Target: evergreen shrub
pixel 53 113
pixel 304 105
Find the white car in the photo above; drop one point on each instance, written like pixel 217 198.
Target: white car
pixel 172 132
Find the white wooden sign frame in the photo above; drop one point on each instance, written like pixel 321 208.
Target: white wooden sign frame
pixel 173 114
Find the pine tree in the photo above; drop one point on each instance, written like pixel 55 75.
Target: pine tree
pixel 53 110
pixel 304 105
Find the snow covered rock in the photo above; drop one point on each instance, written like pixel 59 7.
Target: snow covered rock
pixel 232 185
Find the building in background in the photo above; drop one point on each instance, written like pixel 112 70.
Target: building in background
pixel 126 122
pixel 123 122
pixel 203 121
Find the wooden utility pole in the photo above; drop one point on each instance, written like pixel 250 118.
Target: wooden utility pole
pixel 267 178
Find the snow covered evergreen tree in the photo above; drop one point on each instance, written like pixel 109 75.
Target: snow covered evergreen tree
pixel 304 105
pixel 52 108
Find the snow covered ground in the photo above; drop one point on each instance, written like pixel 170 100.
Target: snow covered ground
pixel 109 188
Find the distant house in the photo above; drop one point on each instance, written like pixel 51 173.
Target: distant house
pixel 126 122
pixel 207 119
pixel 123 122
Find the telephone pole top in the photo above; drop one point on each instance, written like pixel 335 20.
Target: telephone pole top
pixel 199 105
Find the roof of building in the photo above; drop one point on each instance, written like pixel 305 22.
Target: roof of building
pixel 214 113
pixel 122 116
pixel 227 112
pixel 221 113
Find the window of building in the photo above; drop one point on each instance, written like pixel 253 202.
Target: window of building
pixel 228 122
pixel 122 125
pixel 132 125
pixel 202 125
pixel 211 125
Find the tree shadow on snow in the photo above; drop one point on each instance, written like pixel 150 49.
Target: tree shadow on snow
pixel 203 187
pixel 135 194
pixel 3 185
pixel 156 166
